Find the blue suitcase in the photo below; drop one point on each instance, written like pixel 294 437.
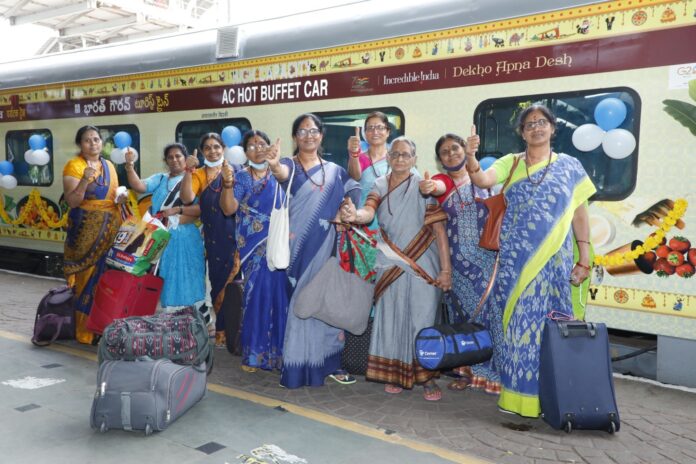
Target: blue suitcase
pixel 576 388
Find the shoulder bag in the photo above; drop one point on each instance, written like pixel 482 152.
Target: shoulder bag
pixel 490 235
pixel 278 242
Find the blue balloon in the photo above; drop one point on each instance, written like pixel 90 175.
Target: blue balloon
pixel 610 113
pixel 364 146
pixel 122 139
pixel 6 168
pixel 231 136
pixel 37 142
pixel 486 162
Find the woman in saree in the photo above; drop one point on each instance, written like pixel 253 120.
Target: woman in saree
pixel 249 196
pixel 182 265
pixel 312 349
pixel 89 187
pixel 414 226
pixel 546 213
pixel 472 266
pixel 218 229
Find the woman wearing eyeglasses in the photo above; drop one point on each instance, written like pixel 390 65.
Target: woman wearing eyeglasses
pixel 249 195
pixel 546 216
pixel 312 349
pixel 405 303
pixel 218 229
pixel 471 264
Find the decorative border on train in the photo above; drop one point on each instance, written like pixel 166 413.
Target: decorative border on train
pixel 650 301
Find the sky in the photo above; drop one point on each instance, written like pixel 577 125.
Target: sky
pixel 27 39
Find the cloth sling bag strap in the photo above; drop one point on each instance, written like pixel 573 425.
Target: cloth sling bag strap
pixel 414 265
pixel 278 242
pixel 490 235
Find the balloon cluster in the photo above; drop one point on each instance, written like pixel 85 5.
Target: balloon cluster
pixel 37 153
pixel 234 153
pixel 7 180
pixel 616 143
pixel 123 142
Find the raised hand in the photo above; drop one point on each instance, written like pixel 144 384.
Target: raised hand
pixel 348 211
pixel 130 157
pixel 227 174
pixel 273 154
pixel 427 185
pixel 472 142
pixel 192 160
pixel 89 174
pixel 354 143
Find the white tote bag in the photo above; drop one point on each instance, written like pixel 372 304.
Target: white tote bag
pixel 278 244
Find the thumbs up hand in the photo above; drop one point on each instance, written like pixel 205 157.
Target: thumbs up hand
pixel 354 143
pixel 427 185
pixel 348 211
pixel 192 160
pixel 472 142
pixel 273 154
pixel 227 174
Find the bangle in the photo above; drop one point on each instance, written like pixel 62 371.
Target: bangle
pixel 478 168
pixel 446 271
pixel 181 209
pixel 582 266
pixel 355 155
pixel 582 241
pixel 188 169
pixel 227 186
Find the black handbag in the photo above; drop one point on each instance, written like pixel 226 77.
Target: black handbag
pixel 356 350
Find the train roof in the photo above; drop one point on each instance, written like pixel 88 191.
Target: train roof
pixel 347 24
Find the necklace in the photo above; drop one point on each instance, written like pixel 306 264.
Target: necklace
pixel 374 171
pixel 256 188
pixel 323 173
pixel 546 168
pixel 210 182
pixel 456 189
pixel 390 189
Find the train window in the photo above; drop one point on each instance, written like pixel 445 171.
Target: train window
pixel 30 168
pixel 340 125
pixel 107 134
pixel 189 132
pixel 614 179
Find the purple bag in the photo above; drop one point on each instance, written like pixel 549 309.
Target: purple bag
pixel 55 317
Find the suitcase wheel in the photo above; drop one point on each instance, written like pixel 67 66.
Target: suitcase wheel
pixel 148 430
pixel 103 428
pixel 569 427
pixel 612 428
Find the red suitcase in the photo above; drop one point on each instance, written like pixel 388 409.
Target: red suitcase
pixel 120 294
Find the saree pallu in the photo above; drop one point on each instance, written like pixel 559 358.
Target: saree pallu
pixel 220 247
pixel 406 303
pixel 265 291
pixel 312 349
pixel 367 179
pixel 536 258
pixel 91 230
pixel 471 271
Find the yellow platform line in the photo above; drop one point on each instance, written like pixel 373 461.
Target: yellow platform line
pixel 314 415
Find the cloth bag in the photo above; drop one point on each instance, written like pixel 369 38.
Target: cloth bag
pixel 339 298
pixel 278 242
pixel 138 244
pixel 496 204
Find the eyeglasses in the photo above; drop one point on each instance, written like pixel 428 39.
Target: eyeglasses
pixel 376 128
pixel 540 123
pixel 302 133
pixel 257 147
pixel 447 152
pixel 394 155
pixel 212 147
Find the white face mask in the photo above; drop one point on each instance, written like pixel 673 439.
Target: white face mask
pixel 258 166
pixel 213 164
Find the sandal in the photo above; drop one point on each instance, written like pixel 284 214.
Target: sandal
pixel 249 369
pixel 431 392
pixel 459 384
pixel 392 389
pixel 342 377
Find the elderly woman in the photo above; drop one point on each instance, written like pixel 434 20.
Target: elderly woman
pixel 89 186
pixel 312 348
pixel 249 195
pixel 182 265
pixel 471 265
pixel 405 303
pixel 218 229
pixel 546 212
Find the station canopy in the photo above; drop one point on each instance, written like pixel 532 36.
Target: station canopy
pixel 83 23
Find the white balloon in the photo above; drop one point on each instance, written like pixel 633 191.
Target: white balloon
pixel 235 155
pixel 40 157
pixel 618 143
pixel 133 150
pixel 587 137
pixel 118 156
pixel 8 182
pixel 29 156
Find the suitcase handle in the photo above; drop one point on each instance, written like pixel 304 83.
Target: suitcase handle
pixel 577 329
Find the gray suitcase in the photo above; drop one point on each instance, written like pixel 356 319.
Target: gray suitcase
pixel 144 395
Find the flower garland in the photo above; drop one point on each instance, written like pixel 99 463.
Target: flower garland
pixel 34 201
pixel 651 242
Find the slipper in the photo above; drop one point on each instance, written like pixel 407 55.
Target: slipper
pixel 392 389
pixel 460 384
pixel 431 392
pixel 249 369
pixel 342 377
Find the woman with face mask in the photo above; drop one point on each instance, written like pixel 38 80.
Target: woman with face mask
pixel 249 195
pixel 218 229
pixel 182 265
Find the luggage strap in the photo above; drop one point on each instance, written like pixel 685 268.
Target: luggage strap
pixel 126 411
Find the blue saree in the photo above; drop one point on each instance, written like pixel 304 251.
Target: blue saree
pixel 265 291
pixel 312 348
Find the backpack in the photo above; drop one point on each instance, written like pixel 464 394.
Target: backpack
pixel 55 317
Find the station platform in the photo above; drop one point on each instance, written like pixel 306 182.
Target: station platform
pixel 247 418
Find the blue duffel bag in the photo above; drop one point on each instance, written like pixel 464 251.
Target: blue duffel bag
pixel 450 345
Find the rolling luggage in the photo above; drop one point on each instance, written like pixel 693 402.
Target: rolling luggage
pixel 144 395
pixel 55 317
pixel 120 294
pixel 576 388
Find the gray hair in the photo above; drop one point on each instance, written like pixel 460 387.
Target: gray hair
pixel 406 140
